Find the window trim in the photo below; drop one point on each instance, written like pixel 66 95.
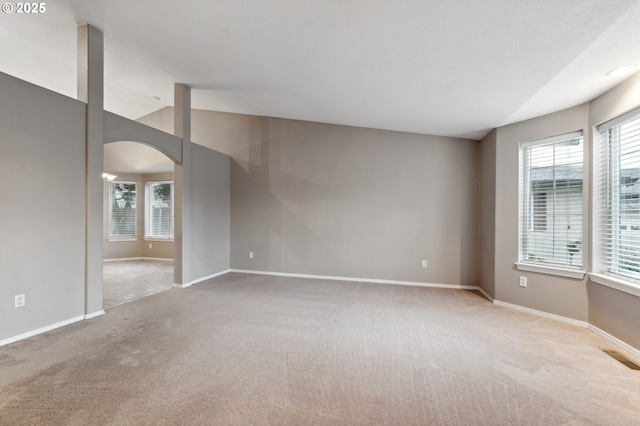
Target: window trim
pixel 550 270
pixel 601 143
pixel 524 264
pixel 616 283
pixel 123 238
pixel 147 213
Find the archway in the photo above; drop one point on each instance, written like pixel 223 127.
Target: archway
pixel 138 244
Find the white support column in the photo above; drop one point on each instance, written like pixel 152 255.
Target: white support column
pixel 182 186
pixel 91 91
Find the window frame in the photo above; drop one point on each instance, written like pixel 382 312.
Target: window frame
pixel 606 194
pixel 110 235
pixel 528 212
pixel 148 216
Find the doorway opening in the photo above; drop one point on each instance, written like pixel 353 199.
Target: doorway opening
pixel 138 244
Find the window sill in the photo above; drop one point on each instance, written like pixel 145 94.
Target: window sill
pixel 616 283
pixel 122 240
pixel 550 270
pixel 156 239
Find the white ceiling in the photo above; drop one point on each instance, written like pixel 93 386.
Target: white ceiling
pixel 443 67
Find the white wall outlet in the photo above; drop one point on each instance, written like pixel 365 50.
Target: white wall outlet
pixel 523 281
pixel 150 245
pixel 250 255
pixel 424 263
pixel 20 300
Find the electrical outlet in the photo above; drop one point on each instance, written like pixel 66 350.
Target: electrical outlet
pixel 150 245
pixel 424 263
pixel 250 255
pixel 20 301
pixel 523 281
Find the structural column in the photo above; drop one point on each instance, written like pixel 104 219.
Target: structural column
pixel 182 186
pixel 91 91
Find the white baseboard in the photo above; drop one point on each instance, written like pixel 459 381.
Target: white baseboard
pixel 199 280
pixel 560 318
pixel 40 330
pixel 95 314
pixel 352 279
pixel 124 259
pixel 628 349
pixel 485 294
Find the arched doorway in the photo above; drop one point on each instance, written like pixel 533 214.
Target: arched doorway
pixel 138 245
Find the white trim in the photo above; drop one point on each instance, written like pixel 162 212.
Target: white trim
pixel 123 259
pixel 485 294
pixel 95 314
pixel 148 211
pixel 560 318
pixel 630 350
pixel 352 279
pixel 550 270
pixel 159 239
pixel 40 330
pixel 122 240
pixel 199 280
pixel 615 283
pixel 553 139
pixel 621 119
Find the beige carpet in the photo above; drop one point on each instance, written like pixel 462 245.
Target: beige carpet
pixel 255 350
pixel 128 280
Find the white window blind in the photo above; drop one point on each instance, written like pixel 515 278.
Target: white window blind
pixel 159 212
pixel 122 210
pixel 551 206
pixel 620 202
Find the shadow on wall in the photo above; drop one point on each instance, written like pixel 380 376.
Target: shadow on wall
pixel 273 217
pixel 332 200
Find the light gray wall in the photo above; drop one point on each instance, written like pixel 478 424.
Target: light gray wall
pixel 613 311
pixel 122 129
pixel 42 171
pixel 216 137
pixel 210 213
pixel 334 200
pixel 553 294
pixel 351 202
pixel 487 216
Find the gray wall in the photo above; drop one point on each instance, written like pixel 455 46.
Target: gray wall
pixel 351 202
pixel 334 200
pixel 43 177
pixel 210 214
pixel 561 296
pixel 223 135
pixel 42 171
pixel 487 216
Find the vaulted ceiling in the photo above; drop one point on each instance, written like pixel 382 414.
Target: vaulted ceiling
pixel 444 67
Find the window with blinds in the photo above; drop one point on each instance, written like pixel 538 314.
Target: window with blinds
pixel 620 203
pixel 551 201
pixel 159 210
pixel 122 210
